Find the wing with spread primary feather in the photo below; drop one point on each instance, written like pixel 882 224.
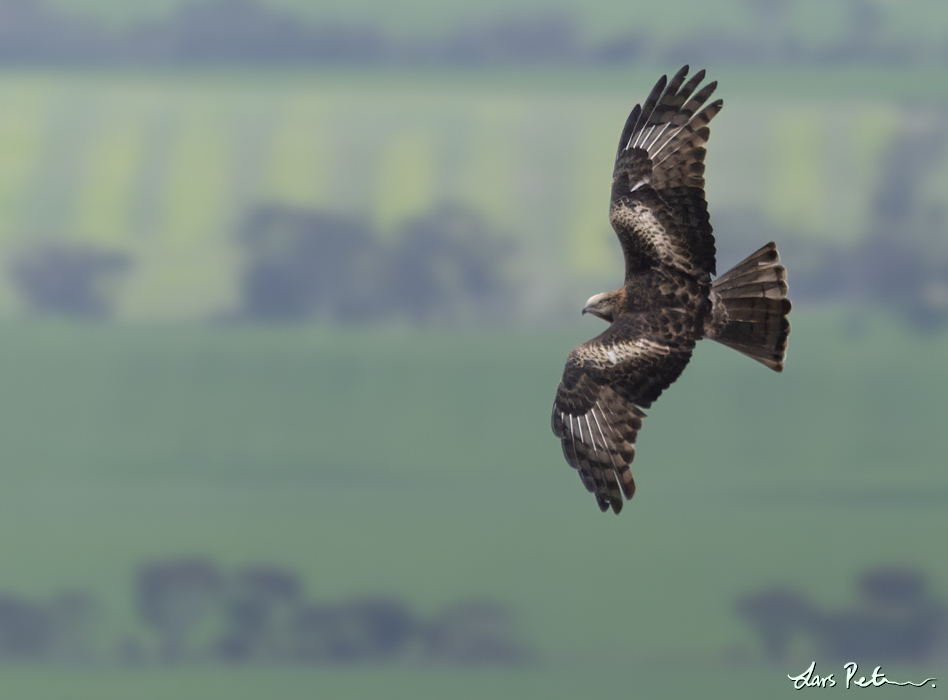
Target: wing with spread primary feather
pixel 658 208
pixel 597 412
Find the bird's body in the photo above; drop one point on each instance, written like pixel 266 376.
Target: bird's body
pixel 669 300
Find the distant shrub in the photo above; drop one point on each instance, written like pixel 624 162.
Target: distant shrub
pixel 68 279
pixel 60 630
pixel 777 616
pixel 260 604
pixel 894 620
pixel 359 631
pixel 444 267
pixel 173 598
pixel 301 264
pixel 476 632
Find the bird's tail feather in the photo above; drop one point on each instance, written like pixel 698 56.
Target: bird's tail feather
pixel 753 295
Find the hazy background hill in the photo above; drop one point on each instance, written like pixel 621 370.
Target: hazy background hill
pixel 285 292
pixel 810 22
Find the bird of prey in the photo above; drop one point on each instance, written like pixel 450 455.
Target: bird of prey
pixel 668 300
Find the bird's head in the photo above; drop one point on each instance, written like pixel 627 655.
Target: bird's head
pixel 604 306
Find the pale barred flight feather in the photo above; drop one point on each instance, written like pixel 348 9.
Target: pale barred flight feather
pixel 656 163
pixel 605 442
pixel 592 412
pixel 635 140
pixel 640 139
pixel 705 116
pixel 617 439
pixel 646 142
pixel 592 435
pixel 650 148
pixel 654 156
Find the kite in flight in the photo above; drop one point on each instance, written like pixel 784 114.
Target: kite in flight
pixel 668 300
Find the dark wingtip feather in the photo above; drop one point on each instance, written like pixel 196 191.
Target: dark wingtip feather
pixel 676 81
pixel 626 134
pixel 650 102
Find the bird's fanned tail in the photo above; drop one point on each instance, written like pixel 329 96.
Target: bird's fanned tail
pixel 753 298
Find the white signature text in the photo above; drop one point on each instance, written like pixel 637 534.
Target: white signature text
pixel 810 679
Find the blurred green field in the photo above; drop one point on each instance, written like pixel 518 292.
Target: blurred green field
pixel 418 463
pixel 164 165
pixel 421 465
pixel 685 679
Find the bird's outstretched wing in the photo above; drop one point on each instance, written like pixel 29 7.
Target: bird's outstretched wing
pixel 597 411
pixel 658 208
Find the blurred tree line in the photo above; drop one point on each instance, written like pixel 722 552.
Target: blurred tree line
pixel 444 267
pixel 450 267
pixel 193 612
pixel 252 31
pixel 894 619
